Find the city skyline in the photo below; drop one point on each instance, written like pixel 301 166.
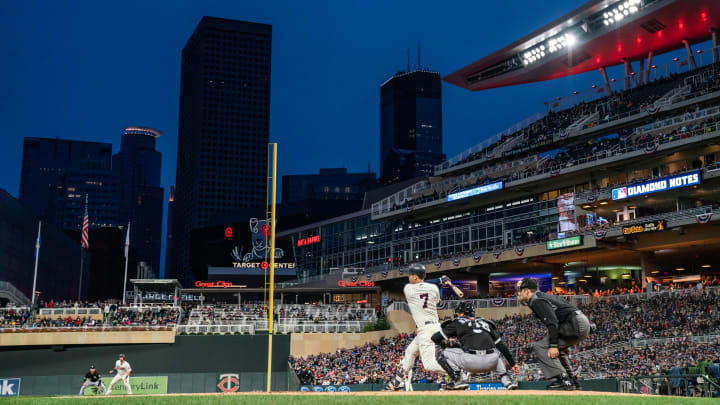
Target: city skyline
pixel 60 73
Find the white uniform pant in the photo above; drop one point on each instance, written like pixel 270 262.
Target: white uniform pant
pixel 86 384
pixel 425 348
pixel 125 379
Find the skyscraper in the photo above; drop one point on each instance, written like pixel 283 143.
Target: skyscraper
pixel 56 175
pixel 138 168
pixel 223 127
pixel 410 125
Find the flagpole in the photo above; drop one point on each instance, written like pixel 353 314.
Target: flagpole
pixel 127 256
pixel 37 257
pixel 82 262
pixel 82 248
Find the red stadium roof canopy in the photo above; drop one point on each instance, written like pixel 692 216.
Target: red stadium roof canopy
pixel 603 33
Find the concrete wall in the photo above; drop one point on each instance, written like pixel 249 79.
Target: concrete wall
pixel 80 337
pixel 305 344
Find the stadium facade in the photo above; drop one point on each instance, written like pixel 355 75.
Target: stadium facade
pixel 616 190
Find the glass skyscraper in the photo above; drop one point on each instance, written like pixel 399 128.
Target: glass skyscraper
pixel 410 125
pixel 223 128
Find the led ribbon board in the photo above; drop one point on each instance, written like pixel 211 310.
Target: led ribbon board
pixel 475 191
pixel 648 187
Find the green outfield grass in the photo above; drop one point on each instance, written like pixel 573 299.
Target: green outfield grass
pixel 355 399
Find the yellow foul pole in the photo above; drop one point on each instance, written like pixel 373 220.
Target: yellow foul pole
pixel 272 263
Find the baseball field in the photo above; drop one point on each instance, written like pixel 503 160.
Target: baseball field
pixel 379 398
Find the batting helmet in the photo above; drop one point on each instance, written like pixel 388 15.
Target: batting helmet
pixel 418 270
pixel 465 308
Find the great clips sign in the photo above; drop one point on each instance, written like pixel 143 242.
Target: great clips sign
pixel 667 183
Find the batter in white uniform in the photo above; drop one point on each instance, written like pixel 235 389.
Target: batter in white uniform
pixel 422 298
pixel 123 373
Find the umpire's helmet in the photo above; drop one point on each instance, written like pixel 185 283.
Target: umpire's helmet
pixel 418 270
pixel 527 282
pixel 465 308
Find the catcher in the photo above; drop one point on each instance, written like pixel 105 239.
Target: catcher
pixel 472 345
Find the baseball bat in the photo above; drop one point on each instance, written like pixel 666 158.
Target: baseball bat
pixel 455 289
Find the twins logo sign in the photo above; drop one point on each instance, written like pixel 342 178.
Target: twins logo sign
pixel 9 387
pixel 229 382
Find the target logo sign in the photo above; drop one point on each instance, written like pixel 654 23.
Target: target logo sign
pixel 265 230
pixel 228 232
pixel 264 265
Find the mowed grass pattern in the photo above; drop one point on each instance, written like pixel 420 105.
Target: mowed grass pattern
pixel 359 399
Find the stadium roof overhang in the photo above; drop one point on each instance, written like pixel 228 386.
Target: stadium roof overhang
pixel 587 39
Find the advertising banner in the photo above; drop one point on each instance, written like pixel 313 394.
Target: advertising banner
pixel 140 385
pixel 9 387
pixel 486 386
pixel 653 226
pixel 475 191
pixel 564 243
pixel 654 186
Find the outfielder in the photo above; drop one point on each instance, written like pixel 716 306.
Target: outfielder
pixel 422 298
pixel 123 373
pixel 92 378
pixel 472 345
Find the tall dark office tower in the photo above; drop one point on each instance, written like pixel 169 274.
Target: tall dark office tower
pixel 223 128
pixel 410 126
pixel 138 168
pixel 56 175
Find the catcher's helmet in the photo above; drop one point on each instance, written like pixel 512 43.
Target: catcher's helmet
pixel 465 308
pixel 418 270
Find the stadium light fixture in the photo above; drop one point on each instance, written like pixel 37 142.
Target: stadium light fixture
pixel 617 13
pixel 680 268
pixel 549 47
pixel 706 266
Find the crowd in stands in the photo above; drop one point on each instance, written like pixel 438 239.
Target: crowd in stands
pixel 692 312
pixel 156 316
pixel 368 364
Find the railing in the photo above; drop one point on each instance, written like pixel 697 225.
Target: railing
pixel 69 311
pixel 487 142
pixel 215 329
pixel 707 339
pixel 680 120
pixel 664 384
pixel 97 328
pixel 398 306
pixel 349 326
pixel 664 293
pixel 13 293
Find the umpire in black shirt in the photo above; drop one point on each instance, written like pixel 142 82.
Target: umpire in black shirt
pixel 566 325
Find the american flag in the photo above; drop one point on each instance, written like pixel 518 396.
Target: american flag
pixel 85 241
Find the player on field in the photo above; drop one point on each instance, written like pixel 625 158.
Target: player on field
pixel 472 345
pixel 92 378
pixel 123 373
pixel 422 298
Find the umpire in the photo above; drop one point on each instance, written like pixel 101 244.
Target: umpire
pixel 567 326
pixel 472 345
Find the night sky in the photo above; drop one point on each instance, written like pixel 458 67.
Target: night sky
pixel 85 70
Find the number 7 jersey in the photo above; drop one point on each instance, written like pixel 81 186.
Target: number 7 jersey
pixel 422 298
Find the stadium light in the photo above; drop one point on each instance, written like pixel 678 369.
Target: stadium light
pixel 624 9
pixel 552 45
